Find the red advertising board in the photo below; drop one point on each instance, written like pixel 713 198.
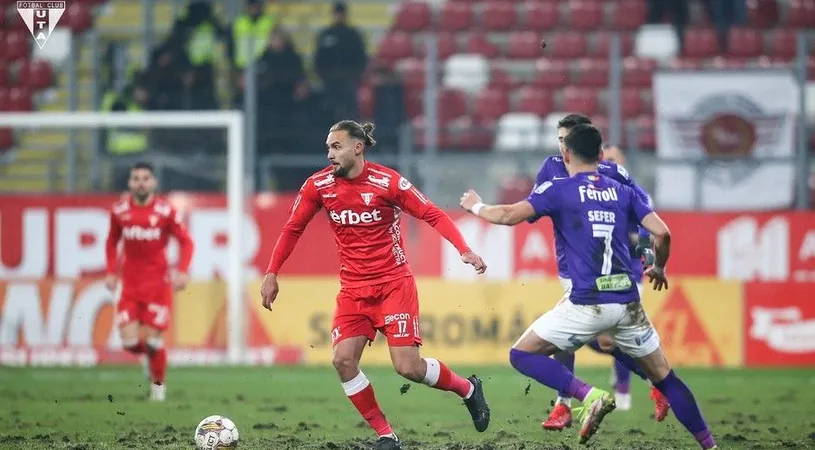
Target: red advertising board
pixel 779 324
pixel 63 237
pixel 54 308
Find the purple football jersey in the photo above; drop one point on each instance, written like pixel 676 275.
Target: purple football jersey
pixel 553 168
pixel 592 216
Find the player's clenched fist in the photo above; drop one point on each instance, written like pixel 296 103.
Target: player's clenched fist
pixel 269 290
pixel 475 261
pixel 470 199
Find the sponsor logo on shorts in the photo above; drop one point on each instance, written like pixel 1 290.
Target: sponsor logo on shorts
pixel 335 334
pixel 401 320
pixel 575 341
pixel 645 336
pixel 390 318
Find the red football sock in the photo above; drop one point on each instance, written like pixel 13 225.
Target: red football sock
pixel 137 349
pixel 158 365
pixel 361 394
pixel 440 377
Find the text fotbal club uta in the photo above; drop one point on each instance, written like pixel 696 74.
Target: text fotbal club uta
pixel 41 18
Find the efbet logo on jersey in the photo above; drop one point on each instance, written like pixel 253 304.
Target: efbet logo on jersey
pixel 606 195
pixel 348 217
pixel 41 18
pixel 138 233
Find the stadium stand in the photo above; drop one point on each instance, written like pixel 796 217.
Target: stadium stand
pixel 572 73
pixel 24 81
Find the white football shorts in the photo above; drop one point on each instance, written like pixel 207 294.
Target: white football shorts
pixel 566 284
pixel 569 326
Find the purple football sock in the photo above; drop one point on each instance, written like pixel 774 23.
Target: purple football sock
pixel 627 361
pixel 623 377
pixel 548 372
pixel 685 408
pixel 567 359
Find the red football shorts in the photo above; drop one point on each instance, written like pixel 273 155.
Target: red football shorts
pixel 149 305
pixel 391 308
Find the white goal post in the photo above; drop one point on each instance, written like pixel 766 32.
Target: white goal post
pixel 233 122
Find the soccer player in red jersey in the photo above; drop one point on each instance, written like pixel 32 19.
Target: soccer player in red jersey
pixel 364 203
pixel 144 224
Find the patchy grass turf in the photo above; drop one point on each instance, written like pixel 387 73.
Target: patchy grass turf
pixel 305 408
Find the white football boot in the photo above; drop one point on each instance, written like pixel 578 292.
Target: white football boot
pixel 623 401
pixel 158 392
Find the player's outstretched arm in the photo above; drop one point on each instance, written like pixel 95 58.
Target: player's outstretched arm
pixel 111 252
pixel 498 214
pixel 303 209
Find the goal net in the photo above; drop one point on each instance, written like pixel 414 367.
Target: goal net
pixel 55 308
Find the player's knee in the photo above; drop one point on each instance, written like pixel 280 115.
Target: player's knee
pixel 412 369
pixel 515 355
pixel 345 364
pixel 131 345
pixel 154 343
pixel 606 343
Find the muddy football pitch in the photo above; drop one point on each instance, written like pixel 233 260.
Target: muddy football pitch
pixel 305 408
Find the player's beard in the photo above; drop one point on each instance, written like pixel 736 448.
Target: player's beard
pixel 340 171
pixel 141 197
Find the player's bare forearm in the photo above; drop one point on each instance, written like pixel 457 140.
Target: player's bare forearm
pixel 662 249
pixel 661 235
pixel 505 214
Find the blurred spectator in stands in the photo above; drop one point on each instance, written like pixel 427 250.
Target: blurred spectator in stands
pixel 389 107
pixel 281 86
pixel 163 79
pixel 680 15
pixel 123 144
pixel 248 41
pixel 340 61
pixel 724 14
pixel 198 32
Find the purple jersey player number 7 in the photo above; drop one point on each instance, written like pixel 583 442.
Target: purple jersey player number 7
pixel 596 209
pixel 553 169
pixel 592 216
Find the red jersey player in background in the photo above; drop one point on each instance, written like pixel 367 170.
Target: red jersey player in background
pixel 145 223
pixel 364 203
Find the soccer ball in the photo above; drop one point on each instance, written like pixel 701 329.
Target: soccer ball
pixel 216 432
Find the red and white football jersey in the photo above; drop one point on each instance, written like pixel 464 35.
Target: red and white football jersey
pixel 144 231
pixel 365 214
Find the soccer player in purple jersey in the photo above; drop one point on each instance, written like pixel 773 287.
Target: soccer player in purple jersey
pixel 554 168
pixel 592 216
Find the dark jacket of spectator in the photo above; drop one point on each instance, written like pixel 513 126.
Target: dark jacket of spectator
pixel 280 73
pixel 389 107
pixel 340 54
